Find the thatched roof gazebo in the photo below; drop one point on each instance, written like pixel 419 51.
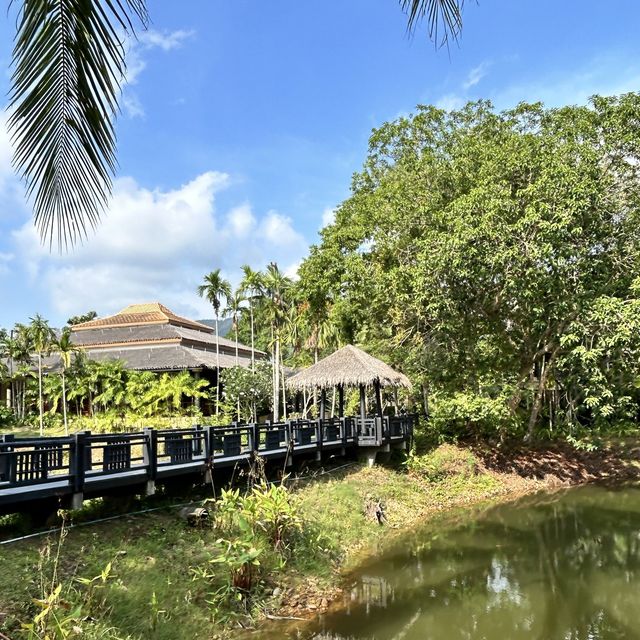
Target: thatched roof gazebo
pixel 349 367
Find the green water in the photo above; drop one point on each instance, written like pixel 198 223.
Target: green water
pixel 559 566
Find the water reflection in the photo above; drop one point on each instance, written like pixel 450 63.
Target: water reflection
pixel 564 566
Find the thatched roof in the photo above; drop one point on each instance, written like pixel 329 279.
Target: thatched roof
pixel 349 367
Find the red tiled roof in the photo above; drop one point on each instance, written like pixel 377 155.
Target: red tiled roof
pixel 142 314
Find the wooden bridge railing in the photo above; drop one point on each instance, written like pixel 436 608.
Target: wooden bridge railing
pixel 87 463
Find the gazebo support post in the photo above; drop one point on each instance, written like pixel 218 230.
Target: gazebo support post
pixel 363 406
pixel 341 401
pixel 376 385
pixel 323 403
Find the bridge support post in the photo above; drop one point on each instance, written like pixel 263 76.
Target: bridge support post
pixel 368 455
pixel 150 455
pixel 81 453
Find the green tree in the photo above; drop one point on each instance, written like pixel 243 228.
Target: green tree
pixel 85 317
pixel 234 310
pixel 277 289
pixel 15 347
pixel 42 337
pixel 110 380
pixel 215 289
pixel 65 348
pixel 252 286
pixel 477 249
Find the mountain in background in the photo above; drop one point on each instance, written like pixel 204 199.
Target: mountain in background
pixel 224 325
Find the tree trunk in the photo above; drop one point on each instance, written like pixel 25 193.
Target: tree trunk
pixel 254 408
pixel 64 404
pixel 425 400
pixel 284 390
pixel 40 406
pixel 217 368
pixel 276 379
pixel 537 402
pixel 237 365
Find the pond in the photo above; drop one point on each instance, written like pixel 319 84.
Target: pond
pixel 565 565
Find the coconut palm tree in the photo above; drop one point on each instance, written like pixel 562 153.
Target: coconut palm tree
pixel 65 348
pixel 42 337
pixel 69 65
pixel 214 289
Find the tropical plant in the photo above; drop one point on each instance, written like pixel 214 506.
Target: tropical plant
pixel 65 348
pixel 234 310
pixel 42 338
pixel 249 391
pixel 215 289
pixel 15 347
pixel 252 286
pixel 493 257
pixel 277 289
pixel 85 317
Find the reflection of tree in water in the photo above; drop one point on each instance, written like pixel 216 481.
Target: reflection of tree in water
pixel 558 567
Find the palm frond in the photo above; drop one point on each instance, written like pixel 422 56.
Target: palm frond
pixel 68 64
pixel 444 17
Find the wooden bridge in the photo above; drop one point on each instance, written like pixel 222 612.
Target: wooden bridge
pixel 85 465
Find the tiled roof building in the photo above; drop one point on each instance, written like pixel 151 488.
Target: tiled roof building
pixel 152 337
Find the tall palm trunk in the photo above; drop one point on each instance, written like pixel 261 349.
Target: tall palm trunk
pixel 284 393
pixel 217 368
pixel 40 405
pixel 64 403
pixel 254 409
pixel 276 379
pixel 253 349
pixel 237 365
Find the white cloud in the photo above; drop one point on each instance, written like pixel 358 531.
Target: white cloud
pixel 606 75
pixel 5 259
pixel 166 40
pixel 451 102
pixel 277 230
pixel 328 216
pixel 137 63
pixel 132 105
pixel 157 245
pixel 475 75
pixel 241 220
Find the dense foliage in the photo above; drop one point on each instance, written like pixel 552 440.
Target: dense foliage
pixel 494 257
pixel 491 256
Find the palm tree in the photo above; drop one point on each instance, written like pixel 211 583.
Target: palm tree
pixel 214 289
pixel 69 64
pixel 276 291
pixel 65 348
pixel 15 348
pixel 42 338
pixel 234 310
pixel 252 286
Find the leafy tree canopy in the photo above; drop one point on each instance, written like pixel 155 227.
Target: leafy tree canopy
pixel 485 251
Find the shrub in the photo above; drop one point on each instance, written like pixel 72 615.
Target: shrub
pixel 470 414
pixel 445 461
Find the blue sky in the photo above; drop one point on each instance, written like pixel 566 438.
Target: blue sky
pixel 243 122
